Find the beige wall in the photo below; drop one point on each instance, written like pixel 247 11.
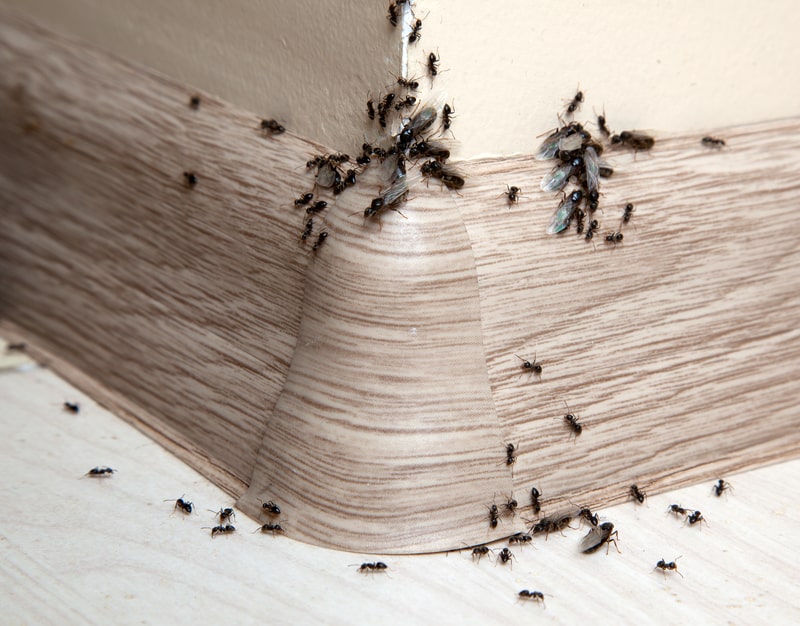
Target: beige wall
pixel 667 65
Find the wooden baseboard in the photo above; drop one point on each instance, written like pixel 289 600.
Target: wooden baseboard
pixel 371 388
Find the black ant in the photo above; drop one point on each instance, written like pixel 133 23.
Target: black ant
pixel 575 104
pixel 677 509
pixel 318 206
pixel 695 517
pixel 572 421
pixel 598 536
pixel 552 523
pixel 447 116
pixel 363 159
pixel 579 217
pixel 614 237
pixel 413 85
pixel 308 229
pixel 410 101
pixel 494 515
pixel 194 102
pixel 184 505
pixel 16 347
pixel 479 552
pixel 320 240
pixel 535 505
pixel 505 556
pixel 221 530
pixel 511 505
pixel 100 471
pixel 224 514
pixel 72 407
pixel 671 566
pixel 637 494
pixel 586 514
pixel 721 486
pixel 628 214
pixel 270 508
pixel 510 450
pixel 633 140
pixel 379 566
pixel 415 34
pixel 532 366
pixel 433 64
pixel 601 124
pixel 593 226
pixel 270 528
pixel 272 126
pixel 520 538
pixel 536 596
pixel 350 178
pixel 371 109
pixel 304 199
pixel 190 179
pixel 712 142
pixel 513 193
pixel 392 16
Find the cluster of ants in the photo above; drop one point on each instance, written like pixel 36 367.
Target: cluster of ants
pixel 579 155
pixel 226 515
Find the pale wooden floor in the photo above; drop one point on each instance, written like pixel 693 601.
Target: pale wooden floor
pixel 83 550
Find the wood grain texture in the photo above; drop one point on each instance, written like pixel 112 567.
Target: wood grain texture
pixel 372 386
pixel 77 551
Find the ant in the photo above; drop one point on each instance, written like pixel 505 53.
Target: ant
pixel 552 523
pixel 371 109
pixel 410 101
pixel 712 142
pixel 614 237
pixel 307 231
pixel 190 179
pixel 413 85
pixel 100 471
pixel 664 566
pixel 628 214
pixel 222 530
pixel 270 528
pixel 184 505
pixel 320 240
pixel 272 126
pixel 572 421
pixel 511 505
pixel 304 199
pixel 532 366
pixel 433 64
pixel 494 515
pixel 695 517
pixel 677 509
pixel 579 217
pixel 415 35
pixel 513 193
pixel 447 116
pixel 586 513
pixel 520 538
pixel 535 505
pixel 72 407
pixel 593 226
pixel 363 159
pixel 598 536
pixel 575 104
pixel 379 566
pixel 510 450
pixel 270 507
pixel 16 347
pixel 536 596
pixel 638 494
pixel 350 178
pixel 505 556
pixel 318 206
pixel 479 552
pixel 224 514
pixel 721 486
pixel 633 140
pixel 392 16
pixel 601 124
pixel 194 102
